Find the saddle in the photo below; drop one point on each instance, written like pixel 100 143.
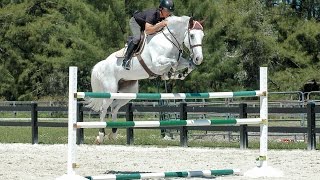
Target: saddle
pixel 121 53
pixel 137 53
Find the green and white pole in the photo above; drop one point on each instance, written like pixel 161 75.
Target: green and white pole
pixel 169 123
pixel 158 96
pixel 185 174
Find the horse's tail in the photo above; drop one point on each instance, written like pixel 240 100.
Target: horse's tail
pixel 96 85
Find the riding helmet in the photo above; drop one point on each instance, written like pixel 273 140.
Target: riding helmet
pixel 168 4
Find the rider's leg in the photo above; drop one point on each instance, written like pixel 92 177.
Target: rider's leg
pixel 135 30
pixel 128 55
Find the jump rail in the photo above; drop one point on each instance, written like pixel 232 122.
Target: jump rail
pixel 263 170
pixel 157 96
pixel 169 123
pixel 186 174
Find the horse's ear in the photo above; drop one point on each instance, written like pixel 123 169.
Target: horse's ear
pixel 202 22
pixel 191 22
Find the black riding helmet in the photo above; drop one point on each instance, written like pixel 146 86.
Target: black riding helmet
pixel 168 4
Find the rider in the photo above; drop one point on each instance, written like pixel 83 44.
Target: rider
pixel 149 21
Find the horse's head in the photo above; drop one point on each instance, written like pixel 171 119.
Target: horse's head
pixel 193 41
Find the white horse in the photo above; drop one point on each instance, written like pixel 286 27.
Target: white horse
pixel 161 57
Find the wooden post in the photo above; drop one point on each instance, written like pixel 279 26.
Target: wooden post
pixel 80 132
pixel 129 117
pixel 311 125
pixel 183 130
pixel 243 128
pixel 34 123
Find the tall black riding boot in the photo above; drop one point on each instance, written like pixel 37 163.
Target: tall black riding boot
pixel 128 56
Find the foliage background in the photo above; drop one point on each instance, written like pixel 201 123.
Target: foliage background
pixel 41 38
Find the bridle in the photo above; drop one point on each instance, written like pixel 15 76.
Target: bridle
pixel 197 26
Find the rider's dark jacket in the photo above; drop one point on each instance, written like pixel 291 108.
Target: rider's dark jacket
pixel 151 16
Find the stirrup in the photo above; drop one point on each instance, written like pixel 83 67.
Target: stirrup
pixel 126 64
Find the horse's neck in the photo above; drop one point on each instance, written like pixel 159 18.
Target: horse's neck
pixel 170 39
pixel 177 27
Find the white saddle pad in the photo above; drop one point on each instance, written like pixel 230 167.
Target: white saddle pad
pixel 121 53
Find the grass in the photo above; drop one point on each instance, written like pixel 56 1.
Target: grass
pixel 141 137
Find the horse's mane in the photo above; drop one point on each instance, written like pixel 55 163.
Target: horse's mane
pixel 177 25
pixel 177 21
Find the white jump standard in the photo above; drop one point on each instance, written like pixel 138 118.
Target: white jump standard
pixel 263 170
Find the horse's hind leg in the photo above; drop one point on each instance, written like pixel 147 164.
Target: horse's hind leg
pixel 103 113
pixel 106 84
pixel 124 87
pixel 115 106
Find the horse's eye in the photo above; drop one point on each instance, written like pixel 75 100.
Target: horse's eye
pixel 191 36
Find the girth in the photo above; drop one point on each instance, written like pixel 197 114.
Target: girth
pixel 145 67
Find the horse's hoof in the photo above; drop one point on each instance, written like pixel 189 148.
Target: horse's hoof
pixel 97 141
pixel 100 138
pixel 112 136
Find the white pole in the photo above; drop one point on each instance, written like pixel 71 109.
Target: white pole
pixel 72 119
pixel 263 116
pixel 263 170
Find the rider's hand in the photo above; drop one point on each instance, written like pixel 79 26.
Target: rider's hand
pixel 160 25
pixel 164 23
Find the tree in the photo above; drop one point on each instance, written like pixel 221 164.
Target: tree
pixel 43 37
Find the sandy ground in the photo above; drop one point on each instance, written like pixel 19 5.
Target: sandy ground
pixel 25 161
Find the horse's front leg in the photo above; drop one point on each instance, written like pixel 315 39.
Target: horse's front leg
pixel 185 65
pixel 185 73
pixel 168 75
pixel 191 66
pixel 164 64
pixel 180 76
pixel 173 69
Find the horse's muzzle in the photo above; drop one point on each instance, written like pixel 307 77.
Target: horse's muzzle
pixel 198 60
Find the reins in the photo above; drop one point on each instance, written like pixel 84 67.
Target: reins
pixel 177 46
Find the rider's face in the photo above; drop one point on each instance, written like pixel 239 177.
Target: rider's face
pixel 166 13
